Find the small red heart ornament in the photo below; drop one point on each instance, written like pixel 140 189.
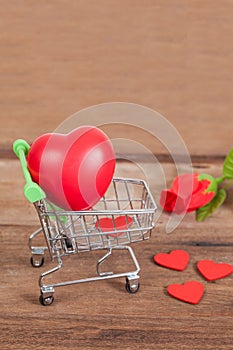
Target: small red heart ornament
pixel 213 271
pixel 175 260
pixel 190 292
pixel 120 223
pixel 74 169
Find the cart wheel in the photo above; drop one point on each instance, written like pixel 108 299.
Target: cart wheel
pixel 46 301
pixel 132 286
pixel 37 261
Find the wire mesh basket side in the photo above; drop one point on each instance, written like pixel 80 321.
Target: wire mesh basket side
pixel 123 216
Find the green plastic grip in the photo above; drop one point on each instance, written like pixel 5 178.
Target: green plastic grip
pixel 32 190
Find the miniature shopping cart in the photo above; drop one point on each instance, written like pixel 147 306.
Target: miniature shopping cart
pixel 125 214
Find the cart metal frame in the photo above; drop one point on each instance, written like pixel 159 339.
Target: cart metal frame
pixel 72 232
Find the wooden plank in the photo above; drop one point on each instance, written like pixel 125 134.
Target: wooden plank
pixel 101 314
pixel 174 57
pixel 23 213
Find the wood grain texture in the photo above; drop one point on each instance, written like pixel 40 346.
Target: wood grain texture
pixel 173 56
pixel 102 314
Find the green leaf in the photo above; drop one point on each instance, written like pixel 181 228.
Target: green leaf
pixel 228 166
pixel 203 212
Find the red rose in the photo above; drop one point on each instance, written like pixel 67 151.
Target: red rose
pixel 188 193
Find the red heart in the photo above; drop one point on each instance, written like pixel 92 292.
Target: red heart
pixel 75 169
pixel 175 260
pixel 190 292
pixel 119 223
pixel 213 271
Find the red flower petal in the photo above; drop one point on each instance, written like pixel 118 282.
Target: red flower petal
pixel 181 205
pixel 173 203
pixel 167 200
pixel 199 200
pixel 202 197
pixel 204 184
pixel 184 185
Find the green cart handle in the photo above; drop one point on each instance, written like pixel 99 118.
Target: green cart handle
pixel 32 190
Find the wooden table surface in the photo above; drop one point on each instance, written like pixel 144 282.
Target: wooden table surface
pixel 172 56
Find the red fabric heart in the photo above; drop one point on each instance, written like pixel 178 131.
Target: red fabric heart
pixel 190 292
pixel 213 271
pixel 175 260
pixel 119 223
